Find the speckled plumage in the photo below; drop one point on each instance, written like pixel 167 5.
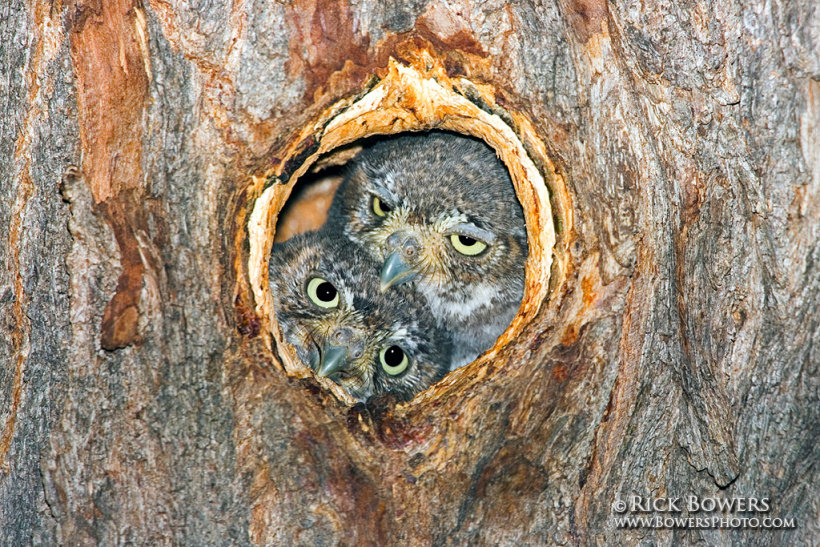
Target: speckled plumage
pixel 364 323
pixel 438 185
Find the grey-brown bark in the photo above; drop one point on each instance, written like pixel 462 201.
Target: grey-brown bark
pixel 677 355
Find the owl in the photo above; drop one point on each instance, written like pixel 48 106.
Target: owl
pixel 439 212
pixel 328 304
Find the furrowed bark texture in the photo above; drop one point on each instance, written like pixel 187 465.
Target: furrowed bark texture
pixel 676 355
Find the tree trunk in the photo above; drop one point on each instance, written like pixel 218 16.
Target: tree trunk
pixel 676 353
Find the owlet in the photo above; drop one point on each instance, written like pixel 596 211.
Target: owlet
pixel 439 212
pixel 328 303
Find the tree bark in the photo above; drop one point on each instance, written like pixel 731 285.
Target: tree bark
pixel 677 353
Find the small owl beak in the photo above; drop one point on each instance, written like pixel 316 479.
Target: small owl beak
pixel 334 359
pixel 395 271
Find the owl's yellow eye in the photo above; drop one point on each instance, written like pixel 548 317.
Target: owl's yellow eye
pixel 322 293
pixel 381 209
pixel 394 360
pixel 467 245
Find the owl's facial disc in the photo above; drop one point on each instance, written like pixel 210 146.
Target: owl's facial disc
pixel 434 251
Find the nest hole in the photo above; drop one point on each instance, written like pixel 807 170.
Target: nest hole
pixel 406 100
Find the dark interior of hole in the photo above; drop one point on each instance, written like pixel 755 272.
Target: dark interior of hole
pixel 307 207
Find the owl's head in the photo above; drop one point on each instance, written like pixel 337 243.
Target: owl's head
pixel 439 210
pixel 328 303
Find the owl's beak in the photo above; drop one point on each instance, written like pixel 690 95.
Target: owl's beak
pixel 334 359
pixel 395 271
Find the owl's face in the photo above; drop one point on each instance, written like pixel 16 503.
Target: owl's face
pixel 328 304
pixel 439 211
